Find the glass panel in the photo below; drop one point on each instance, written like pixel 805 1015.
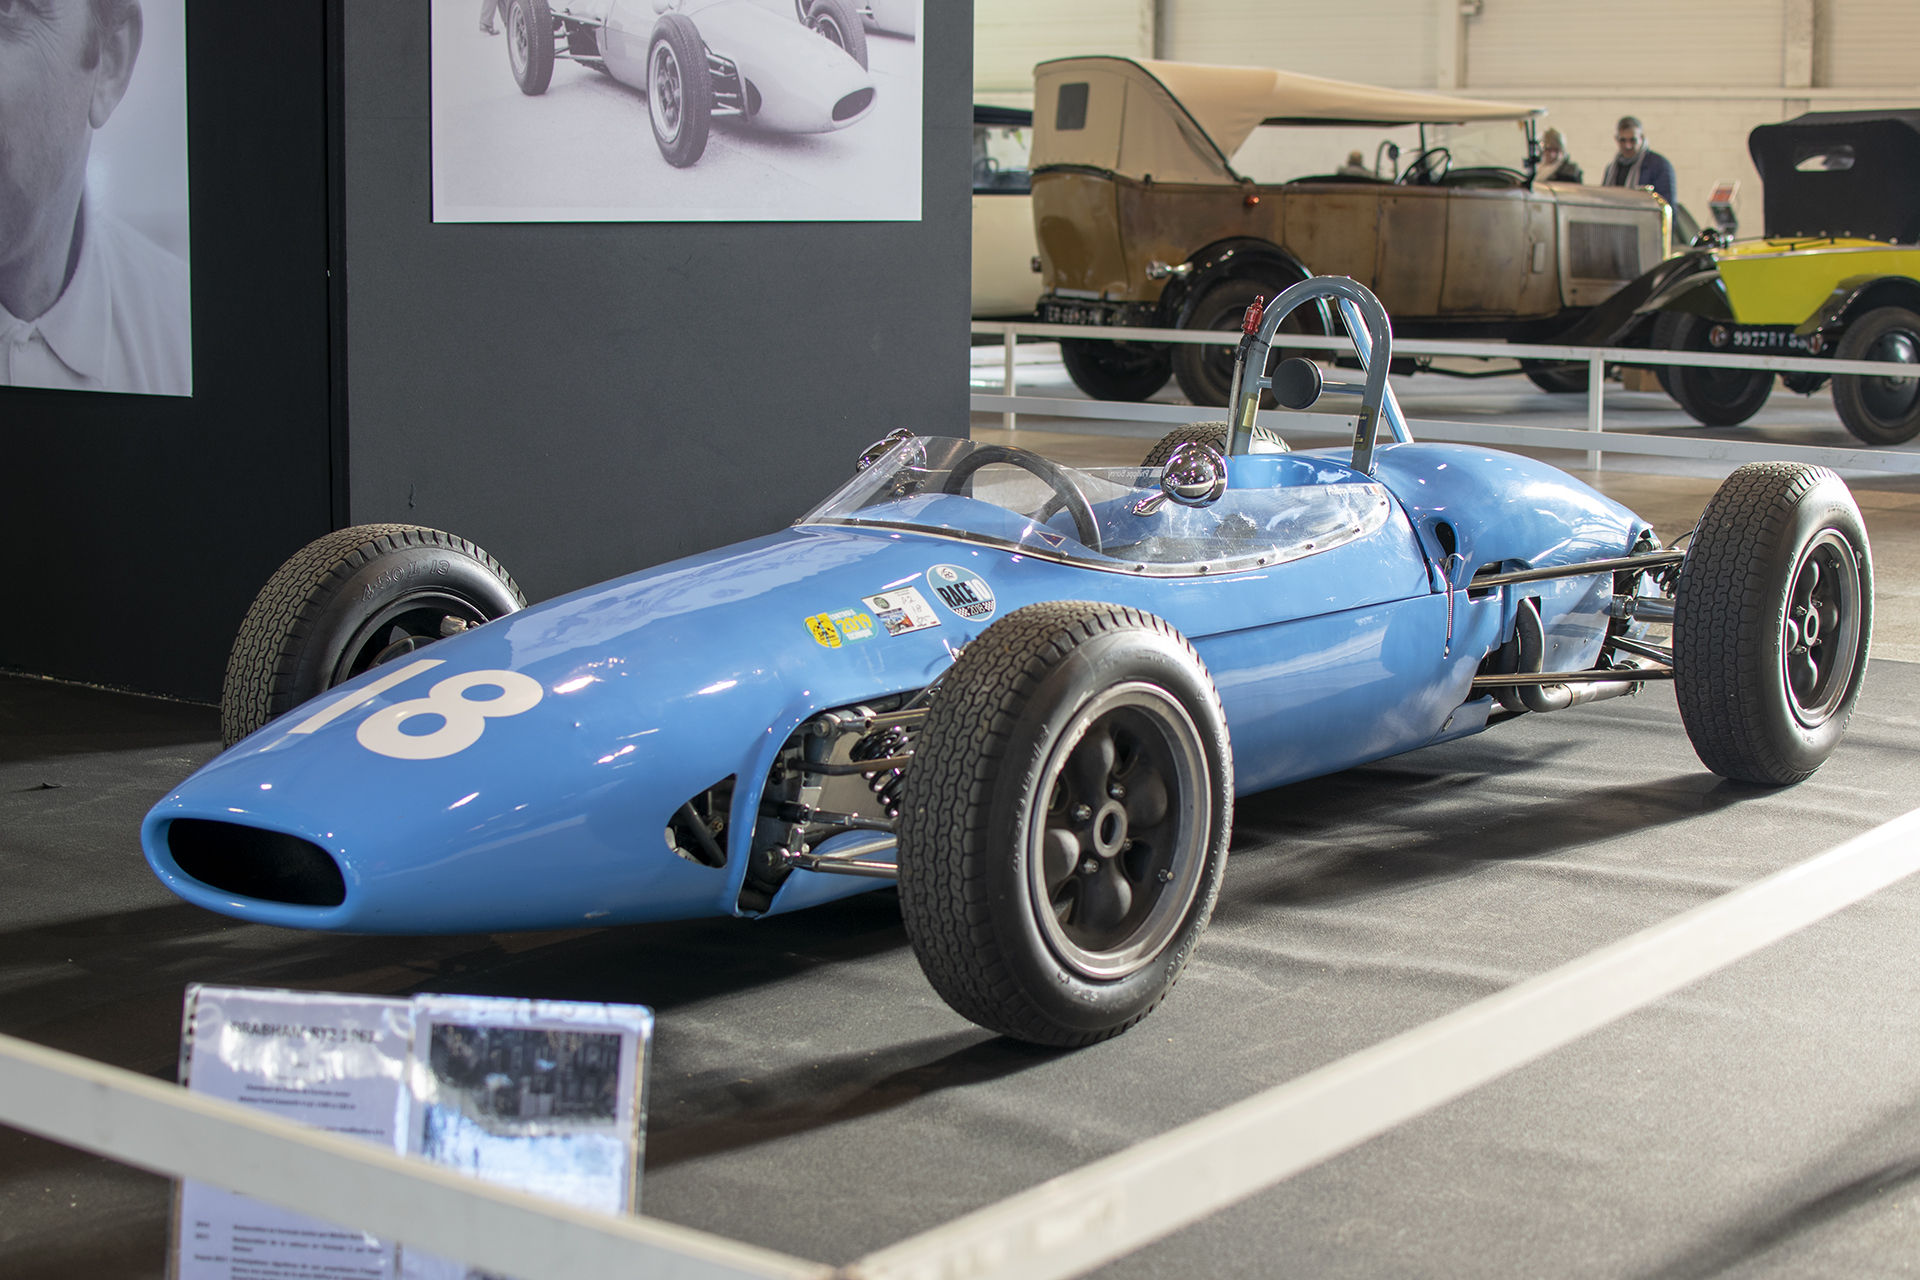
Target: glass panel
pixel 1000 158
pixel 1281 507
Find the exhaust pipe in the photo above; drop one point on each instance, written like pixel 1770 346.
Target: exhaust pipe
pixel 1532 638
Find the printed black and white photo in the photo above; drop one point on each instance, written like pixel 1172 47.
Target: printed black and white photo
pixel 676 110
pixel 94 292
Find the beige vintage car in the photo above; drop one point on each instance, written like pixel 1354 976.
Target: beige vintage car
pixel 1143 220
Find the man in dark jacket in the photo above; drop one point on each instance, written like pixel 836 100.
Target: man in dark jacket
pixel 1638 165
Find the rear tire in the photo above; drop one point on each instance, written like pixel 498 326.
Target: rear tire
pixel 348 601
pixel 1115 370
pixel 530 45
pixel 1065 820
pixel 1779 558
pixel 1711 397
pixel 1880 410
pixel 679 90
pixel 836 20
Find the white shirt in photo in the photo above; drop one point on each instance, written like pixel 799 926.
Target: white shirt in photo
pixel 122 323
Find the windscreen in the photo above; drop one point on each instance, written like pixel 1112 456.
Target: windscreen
pixel 1000 159
pixel 1291 505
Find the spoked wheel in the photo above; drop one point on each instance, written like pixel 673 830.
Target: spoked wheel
pixel 530 45
pixel 1064 822
pixel 349 602
pixel 679 90
pixel 1772 621
pixel 1880 410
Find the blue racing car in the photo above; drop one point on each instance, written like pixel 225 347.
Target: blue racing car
pixel 1026 694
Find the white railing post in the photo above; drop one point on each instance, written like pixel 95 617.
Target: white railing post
pixel 1007 383
pixel 1596 382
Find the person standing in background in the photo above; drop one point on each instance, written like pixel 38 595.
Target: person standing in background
pixel 487 9
pixel 1555 164
pixel 1638 165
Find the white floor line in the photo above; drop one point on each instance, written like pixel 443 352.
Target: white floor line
pixel 1081 1220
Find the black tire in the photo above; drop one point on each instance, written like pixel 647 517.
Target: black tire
pixel 679 90
pixel 1213 433
pixel 1205 374
pixel 348 601
pixel 1559 378
pixel 1115 370
pixel 1880 410
pixel 1779 542
pixel 530 45
pixel 1711 397
pixel 1053 703
pixel 836 20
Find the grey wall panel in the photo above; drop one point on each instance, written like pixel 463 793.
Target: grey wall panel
pixel 138 528
pixel 588 399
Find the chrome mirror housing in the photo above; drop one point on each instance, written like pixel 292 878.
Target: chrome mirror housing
pixel 881 448
pixel 1195 476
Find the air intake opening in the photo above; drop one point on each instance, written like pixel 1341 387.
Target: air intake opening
pixel 853 104
pixel 253 863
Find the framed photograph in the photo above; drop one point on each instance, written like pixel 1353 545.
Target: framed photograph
pixel 676 110
pixel 94 289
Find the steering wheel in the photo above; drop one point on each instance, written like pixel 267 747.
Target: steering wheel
pixel 1428 168
pixel 1066 493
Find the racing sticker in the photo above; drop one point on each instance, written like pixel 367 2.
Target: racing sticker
pixel 830 629
pixel 902 611
pixel 962 590
pixel 824 632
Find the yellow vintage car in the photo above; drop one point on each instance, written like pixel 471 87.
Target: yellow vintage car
pixel 1837 274
pixel 1142 218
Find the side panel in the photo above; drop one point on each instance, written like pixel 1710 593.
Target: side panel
pixel 1170 222
pixel 1004 281
pixel 1078 227
pixel 1413 249
pixel 1488 259
pixel 1607 237
pixel 1334 229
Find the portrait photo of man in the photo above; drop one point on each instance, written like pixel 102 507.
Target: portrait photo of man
pixel 90 300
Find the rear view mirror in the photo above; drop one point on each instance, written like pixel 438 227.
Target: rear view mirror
pixel 1297 383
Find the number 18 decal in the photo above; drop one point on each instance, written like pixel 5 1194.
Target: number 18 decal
pixel 463 719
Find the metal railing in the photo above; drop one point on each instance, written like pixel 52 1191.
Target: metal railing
pixel 1009 404
pixel 1059 1229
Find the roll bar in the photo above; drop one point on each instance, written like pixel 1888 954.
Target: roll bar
pixel 1372 335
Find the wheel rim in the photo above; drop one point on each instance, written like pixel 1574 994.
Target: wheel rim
pixel 386 635
pixel 519 39
pixel 665 92
pixel 828 27
pixel 1820 631
pixel 1118 842
pixel 1887 398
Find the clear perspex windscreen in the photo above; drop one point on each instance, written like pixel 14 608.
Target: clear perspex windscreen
pixel 1309 505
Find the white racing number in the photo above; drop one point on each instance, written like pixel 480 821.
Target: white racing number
pixel 463 719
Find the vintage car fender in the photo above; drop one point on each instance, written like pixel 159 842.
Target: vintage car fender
pixel 1242 257
pixel 1857 295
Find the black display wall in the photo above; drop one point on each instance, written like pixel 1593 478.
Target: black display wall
pixel 582 400
pixel 588 399
pixel 137 528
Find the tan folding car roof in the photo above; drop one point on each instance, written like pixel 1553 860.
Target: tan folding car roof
pixel 1180 121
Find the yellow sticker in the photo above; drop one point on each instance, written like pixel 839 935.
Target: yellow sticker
pixel 824 631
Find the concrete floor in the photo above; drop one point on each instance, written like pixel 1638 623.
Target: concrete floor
pixel 1669 492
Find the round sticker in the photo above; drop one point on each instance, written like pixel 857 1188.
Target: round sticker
pixel 963 591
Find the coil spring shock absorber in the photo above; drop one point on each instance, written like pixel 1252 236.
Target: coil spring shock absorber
pixel 885 783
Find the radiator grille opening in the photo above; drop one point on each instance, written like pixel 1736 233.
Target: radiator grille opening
pixel 253 863
pixel 1603 251
pixel 852 105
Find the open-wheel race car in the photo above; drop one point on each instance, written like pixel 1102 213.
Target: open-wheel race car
pixel 762 61
pixel 1025 693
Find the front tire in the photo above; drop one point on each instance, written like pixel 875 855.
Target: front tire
pixel 530 45
pixel 836 20
pixel 1880 410
pixel 1771 623
pixel 349 601
pixel 1115 370
pixel 679 90
pixel 1065 821
pixel 1205 373
pixel 1711 397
